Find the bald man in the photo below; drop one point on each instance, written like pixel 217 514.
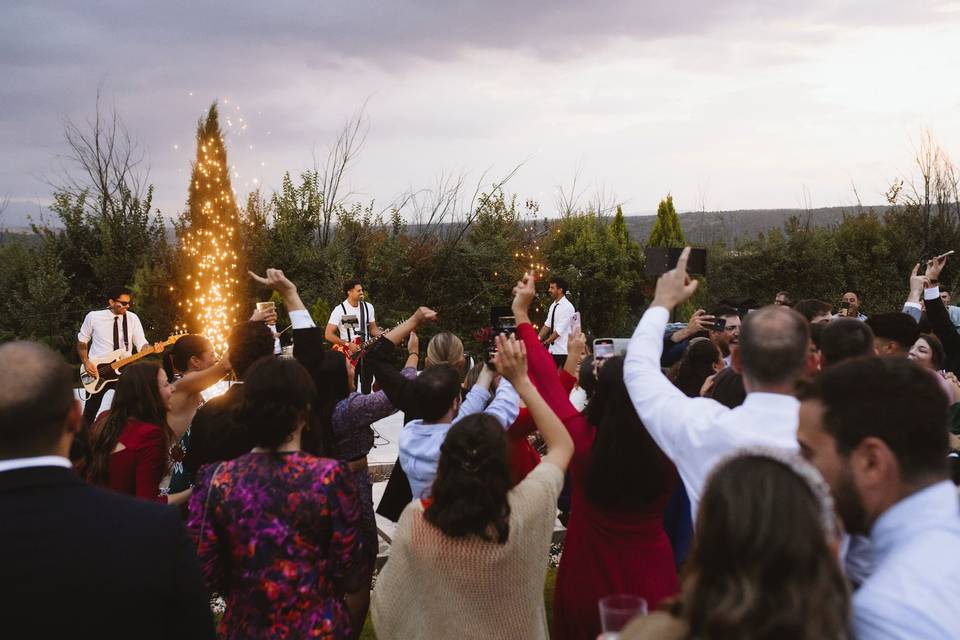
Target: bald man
pixel 79 561
pixel 696 433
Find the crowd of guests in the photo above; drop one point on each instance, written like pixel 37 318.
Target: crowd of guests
pixel 774 472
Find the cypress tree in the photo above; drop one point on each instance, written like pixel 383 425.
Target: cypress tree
pixel 666 230
pixel 209 240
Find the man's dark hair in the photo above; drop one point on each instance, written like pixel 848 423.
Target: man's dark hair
pixel 811 308
pixel 118 290
pixel 893 399
pixel 724 311
pixel 845 338
pixel 560 283
pixel 898 327
pixel 854 292
pixel 248 342
pixel 36 394
pixel 773 345
pixel 436 389
pixel 350 284
pixel 728 389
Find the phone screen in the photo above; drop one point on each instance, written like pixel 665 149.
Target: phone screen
pixel 603 348
pixel 574 321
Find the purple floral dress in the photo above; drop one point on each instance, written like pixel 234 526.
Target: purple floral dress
pixel 279 538
pixel 352 419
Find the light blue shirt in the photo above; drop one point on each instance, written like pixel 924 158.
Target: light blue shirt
pixel 914 591
pixel 420 443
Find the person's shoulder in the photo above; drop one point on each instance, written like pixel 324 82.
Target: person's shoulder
pixel 546 479
pixel 132 315
pixel 102 505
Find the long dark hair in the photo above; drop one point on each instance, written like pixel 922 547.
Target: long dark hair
pixel 762 566
pixel 137 396
pixel 177 358
pixel 626 469
pixel 329 374
pixel 277 394
pixel 473 479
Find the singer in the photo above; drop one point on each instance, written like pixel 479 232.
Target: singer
pixel 351 323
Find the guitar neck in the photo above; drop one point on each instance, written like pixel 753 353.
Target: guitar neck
pixel 147 350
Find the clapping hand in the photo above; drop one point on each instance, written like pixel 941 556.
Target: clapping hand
pixel 413 343
pixel 675 286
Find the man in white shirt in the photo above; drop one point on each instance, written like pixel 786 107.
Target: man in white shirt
pixel 696 433
pixel 105 331
pixel 351 319
pixel 556 328
pixel 876 428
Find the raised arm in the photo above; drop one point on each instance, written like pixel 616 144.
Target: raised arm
pixel 541 365
pixel 197 381
pixel 511 362
pixel 938 315
pixel 278 282
pixel 666 412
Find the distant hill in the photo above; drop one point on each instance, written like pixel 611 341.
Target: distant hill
pixel 700 228
pixel 709 227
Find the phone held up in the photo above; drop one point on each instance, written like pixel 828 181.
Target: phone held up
pixel 575 321
pixel 603 349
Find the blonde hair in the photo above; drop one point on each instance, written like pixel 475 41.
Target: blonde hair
pixel 444 348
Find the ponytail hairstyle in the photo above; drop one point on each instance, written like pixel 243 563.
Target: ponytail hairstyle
pixel 177 358
pixel 472 483
pixel 277 394
pixel 137 397
pixel 445 347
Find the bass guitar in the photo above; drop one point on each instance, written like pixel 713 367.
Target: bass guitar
pixel 109 365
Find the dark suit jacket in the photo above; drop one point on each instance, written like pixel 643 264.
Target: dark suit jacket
pixel 81 562
pixel 214 434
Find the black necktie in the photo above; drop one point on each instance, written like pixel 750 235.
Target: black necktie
pixel 553 317
pixel 116 332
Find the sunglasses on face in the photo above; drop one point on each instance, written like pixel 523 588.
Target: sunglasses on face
pixel 123 303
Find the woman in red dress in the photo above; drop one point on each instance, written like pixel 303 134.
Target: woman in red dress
pixel 620 481
pixel 130 442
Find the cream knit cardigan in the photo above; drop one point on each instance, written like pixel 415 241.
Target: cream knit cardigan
pixel 435 586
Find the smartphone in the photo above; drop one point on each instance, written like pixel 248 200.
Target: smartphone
pixel 845 305
pixel 720 324
pixel 659 260
pixel 574 321
pixel 603 349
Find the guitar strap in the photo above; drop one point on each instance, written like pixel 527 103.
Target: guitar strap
pixel 349 331
pixel 363 320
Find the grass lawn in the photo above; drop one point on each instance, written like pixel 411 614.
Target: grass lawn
pixel 548 588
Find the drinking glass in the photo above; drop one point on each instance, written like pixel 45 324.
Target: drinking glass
pixel 617 610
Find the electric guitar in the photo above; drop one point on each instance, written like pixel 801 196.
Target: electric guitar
pixel 359 353
pixel 109 365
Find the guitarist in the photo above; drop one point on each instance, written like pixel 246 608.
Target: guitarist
pixel 106 330
pixel 351 319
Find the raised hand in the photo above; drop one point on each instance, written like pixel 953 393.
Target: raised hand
pixel 275 280
pixel 917 284
pixel 511 359
pixel 424 314
pixel 576 343
pixel 413 343
pixel 523 294
pixel 264 315
pixel 935 266
pixel 675 286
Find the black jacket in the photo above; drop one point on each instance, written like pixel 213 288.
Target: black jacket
pixel 214 434
pixel 81 562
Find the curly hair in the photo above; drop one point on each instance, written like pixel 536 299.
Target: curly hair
pixel 472 483
pixel 762 566
pixel 278 393
pixel 248 341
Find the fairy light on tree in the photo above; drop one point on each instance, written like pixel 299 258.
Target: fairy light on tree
pixel 209 285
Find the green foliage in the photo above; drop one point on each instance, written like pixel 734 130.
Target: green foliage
pixel 666 230
pixel 604 269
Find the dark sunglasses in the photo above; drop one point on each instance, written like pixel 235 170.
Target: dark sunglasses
pixel 122 303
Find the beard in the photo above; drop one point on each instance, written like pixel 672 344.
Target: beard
pixel 849 505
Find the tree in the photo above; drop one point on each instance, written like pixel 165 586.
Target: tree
pixel 666 230
pixel 209 286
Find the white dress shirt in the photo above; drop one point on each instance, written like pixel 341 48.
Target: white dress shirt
pixel 97 331
pixel 696 433
pixel 559 314
pixel 913 592
pixel 36 461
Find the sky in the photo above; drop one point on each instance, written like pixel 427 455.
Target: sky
pixel 725 104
